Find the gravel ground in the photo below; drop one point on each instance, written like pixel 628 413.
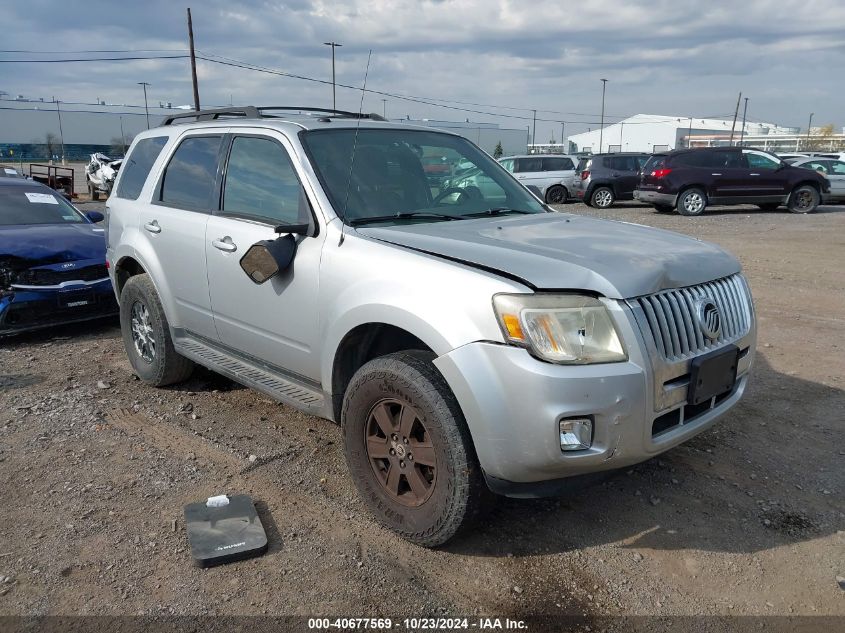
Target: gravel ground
pixel 745 519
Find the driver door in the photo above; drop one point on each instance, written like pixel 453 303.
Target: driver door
pixel 277 321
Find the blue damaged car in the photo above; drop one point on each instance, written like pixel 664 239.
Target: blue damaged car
pixel 52 260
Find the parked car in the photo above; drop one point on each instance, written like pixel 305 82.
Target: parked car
pixel 309 259
pixel 790 158
pixel 833 170
pixel 692 179
pixel 833 155
pixel 52 260
pixel 605 178
pixel 10 172
pixel 552 174
pixel 100 174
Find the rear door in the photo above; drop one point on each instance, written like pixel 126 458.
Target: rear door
pixel 624 171
pixel 277 321
pixel 174 225
pixel 726 172
pixel 529 171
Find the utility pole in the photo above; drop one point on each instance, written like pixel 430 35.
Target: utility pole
pixel 621 130
pixel 736 113
pixel 744 111
pixel 384 108
pixel 61 134
pixel 146 109
pixel 562 128
pixel 534 129
pixel 334 45
pixel 601 129
pixel 689 134
pixel 193 63
pixel 122 136
pixel 809 127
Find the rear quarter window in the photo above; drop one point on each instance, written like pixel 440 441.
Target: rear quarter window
pixel 658 161
pixel 189 178
pixel 137 166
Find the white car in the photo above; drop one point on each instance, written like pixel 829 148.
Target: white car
pixel 830 168
pixel 552 174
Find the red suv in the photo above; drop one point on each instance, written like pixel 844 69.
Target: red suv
pixel 691 179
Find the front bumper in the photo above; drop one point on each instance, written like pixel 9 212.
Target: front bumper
pixel 513 404
pixel 34 308
pixel 655 197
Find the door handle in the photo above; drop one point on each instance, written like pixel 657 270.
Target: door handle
pixel 719 174
pixel 225 244
pixel 153 227
pixel 753 174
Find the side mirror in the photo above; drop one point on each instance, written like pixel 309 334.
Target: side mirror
pixel 95 216
pixel 265 259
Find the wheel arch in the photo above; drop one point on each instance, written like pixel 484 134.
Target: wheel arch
pixel 361 344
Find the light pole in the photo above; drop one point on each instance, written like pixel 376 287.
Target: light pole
pixel 621 130
pixel 384 108
pixel 562 128
pixel 601 129
pixel 534 129
pixel 334 45
pixel 146 108
pixel 809 126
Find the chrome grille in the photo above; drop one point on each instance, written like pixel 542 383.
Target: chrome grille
pixel 670 316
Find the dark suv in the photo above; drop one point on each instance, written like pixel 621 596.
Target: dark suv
pixel 691 179
pixel 602 179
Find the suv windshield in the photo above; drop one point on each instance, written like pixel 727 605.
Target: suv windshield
pixel 22 205
pixel 410 175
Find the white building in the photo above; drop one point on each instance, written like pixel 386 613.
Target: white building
pixel 653 132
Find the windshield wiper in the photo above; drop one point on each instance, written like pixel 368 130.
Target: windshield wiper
pixel 403 215
pixel 495 211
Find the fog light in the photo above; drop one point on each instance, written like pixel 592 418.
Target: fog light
pixel 576 434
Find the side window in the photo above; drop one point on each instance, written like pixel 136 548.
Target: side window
pixel 136 167
pixel 837 167
pixel 508 164
pixel 188 180
pixel 261 183
pixel 821 166
pixel 557 164
pixel 728 159
pixel 758 160
pixel 529 165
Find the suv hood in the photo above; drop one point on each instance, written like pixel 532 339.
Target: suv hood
pixel 560 251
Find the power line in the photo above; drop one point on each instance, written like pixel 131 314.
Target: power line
pixel 98 50
pixel 89 59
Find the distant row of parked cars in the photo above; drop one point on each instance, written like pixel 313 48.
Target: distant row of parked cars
pixel 687 180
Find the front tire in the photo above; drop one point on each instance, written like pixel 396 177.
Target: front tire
pixel 408 449
pixel 602 198
pixel 556 194
pixel 804 199
pixel 146 335
pixel 692 202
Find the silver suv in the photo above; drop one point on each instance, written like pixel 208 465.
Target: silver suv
pixel 465 340
pixel 552 174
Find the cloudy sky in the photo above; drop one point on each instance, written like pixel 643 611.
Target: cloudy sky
pixel 480 57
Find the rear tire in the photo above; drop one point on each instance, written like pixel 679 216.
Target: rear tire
pixel 692 202
pixel 556 194
pixel 602 198
pixel 804 199
pixel 408 449
pixel 146 335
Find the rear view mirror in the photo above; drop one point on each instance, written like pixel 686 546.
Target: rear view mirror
pixel 263 260
pixel 95 216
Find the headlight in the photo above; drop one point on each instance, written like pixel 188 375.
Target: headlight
pixel 567 329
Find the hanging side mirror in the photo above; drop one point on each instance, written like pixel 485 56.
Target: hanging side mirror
pixel 265 259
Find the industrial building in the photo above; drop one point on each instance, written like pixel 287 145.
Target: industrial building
pixel 652 132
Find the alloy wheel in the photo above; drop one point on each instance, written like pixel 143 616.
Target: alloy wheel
pixel 142 332
pixel 603 199
pixel 693 202
pixel 400 452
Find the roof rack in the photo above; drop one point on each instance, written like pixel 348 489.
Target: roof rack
pixel 252 112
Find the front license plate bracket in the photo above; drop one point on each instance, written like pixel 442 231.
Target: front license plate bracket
pixel 712 374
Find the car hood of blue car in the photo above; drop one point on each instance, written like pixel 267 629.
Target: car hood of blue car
pixel 51 243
